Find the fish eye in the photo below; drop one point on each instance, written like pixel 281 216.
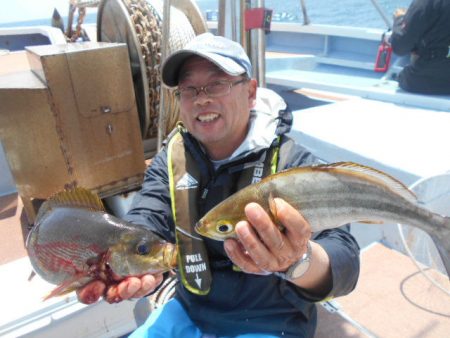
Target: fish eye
pixel 224 227
pixel 142 248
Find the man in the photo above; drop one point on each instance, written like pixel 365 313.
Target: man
pixel 266 281
pixel 424 32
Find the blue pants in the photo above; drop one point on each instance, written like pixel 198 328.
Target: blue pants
pixel 171 321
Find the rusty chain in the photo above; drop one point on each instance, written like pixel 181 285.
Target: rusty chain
pixel 147 24
pixel 147 18
pixel 81 6
pixel 78 31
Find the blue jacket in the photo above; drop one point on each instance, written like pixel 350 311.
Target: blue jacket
pixel 241 303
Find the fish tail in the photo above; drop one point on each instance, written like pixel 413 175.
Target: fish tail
pixel 441 238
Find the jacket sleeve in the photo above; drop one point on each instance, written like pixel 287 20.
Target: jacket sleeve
pixel 340 245
pixel 408 29
pixel 151 206
pixel 343 251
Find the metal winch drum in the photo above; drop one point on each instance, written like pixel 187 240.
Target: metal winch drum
pixel 138 23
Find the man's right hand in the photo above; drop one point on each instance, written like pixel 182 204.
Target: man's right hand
pixel 130 287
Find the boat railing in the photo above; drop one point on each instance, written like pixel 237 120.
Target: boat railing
pixel 16 38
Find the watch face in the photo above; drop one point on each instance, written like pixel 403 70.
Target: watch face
pixel 299 269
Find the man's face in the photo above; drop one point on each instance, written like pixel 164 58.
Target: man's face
pixel 219 123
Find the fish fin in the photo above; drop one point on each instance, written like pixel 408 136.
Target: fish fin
pixel 274 212
pixel 43 209
pixel 374 174
pixel 59 291
pixel 69 285
pixel 273 207
pixel 31 276
pixel 371 222
pixel 77 197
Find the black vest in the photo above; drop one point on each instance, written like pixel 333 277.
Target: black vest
pixel 187 191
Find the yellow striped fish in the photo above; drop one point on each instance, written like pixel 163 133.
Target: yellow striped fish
pixel 329 196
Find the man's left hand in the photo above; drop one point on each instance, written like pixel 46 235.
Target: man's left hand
pixel 131 287
pixel 261 247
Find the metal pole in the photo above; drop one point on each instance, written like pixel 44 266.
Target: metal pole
pixel 382 13
pixel 242 33
pixel 258 51
pixel 305 14
pixel 164 49
pixel 222 17
pixel 234 36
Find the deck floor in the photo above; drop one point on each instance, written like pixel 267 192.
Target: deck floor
pixel 393 299
pixel 13 229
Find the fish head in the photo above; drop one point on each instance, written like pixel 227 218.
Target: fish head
pixel 220 222
pixel 218 229
pixel 137 255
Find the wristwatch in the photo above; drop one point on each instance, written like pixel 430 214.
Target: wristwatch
pixel 299 268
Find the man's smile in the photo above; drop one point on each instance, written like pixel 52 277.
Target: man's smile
pixel 209 117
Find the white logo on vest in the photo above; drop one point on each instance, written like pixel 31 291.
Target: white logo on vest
pixel 186 182
pixel 198 266
pixel 258 173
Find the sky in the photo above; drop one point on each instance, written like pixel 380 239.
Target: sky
pixel 24 10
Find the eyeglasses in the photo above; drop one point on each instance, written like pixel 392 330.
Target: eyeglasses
pixel 214 89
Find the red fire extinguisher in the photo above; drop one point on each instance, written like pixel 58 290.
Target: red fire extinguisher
pixel 383 56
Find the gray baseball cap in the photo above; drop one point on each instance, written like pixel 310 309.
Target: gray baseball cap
pixel 226 54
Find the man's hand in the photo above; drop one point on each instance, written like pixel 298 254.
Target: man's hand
pixel 131 287
pixel 261 247
pixel 399 12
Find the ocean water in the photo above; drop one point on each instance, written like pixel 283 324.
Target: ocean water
pixel 359 13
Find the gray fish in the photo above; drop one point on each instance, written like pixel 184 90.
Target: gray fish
pixel 74 241
pixel 329 196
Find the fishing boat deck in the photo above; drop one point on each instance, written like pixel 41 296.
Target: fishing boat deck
pixel 316 72
pixel 361 130
pixel 391 298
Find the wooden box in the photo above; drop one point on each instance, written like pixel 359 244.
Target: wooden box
pixel 71 121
